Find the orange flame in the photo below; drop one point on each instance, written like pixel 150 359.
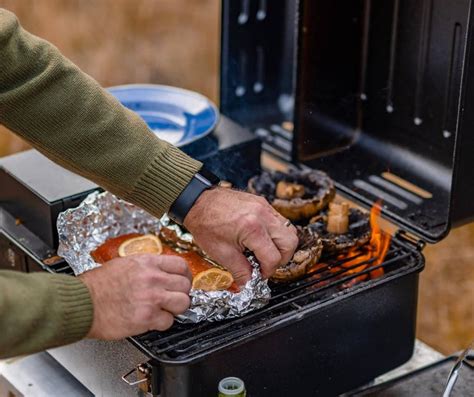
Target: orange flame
pixel 370 255
pixel 379 241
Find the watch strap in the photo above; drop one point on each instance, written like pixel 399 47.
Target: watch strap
pixel 200 182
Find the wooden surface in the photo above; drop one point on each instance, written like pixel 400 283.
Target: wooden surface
pixel 176 42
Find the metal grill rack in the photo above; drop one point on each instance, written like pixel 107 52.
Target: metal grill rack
pixel 185 341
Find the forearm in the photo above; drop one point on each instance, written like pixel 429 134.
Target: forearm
pixel 40 311
pixel 66 115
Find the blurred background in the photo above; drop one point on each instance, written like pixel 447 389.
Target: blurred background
pixel 176 42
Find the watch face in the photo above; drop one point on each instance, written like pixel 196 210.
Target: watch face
pixel 207 176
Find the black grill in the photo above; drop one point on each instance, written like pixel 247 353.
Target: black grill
pixel 186 341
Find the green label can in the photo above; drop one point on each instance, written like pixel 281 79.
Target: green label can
pixel 232 387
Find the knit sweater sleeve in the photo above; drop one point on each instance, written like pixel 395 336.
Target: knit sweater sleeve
pixel 66 115
pixel 39 311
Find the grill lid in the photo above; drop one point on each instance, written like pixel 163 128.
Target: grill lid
pixel 383 106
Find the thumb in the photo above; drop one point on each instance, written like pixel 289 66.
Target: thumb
pixel 238 265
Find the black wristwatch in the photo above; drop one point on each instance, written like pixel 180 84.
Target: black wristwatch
pixel 202 181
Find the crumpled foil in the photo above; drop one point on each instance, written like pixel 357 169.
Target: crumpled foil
pixel 102 216
pixel 99 217
pixel 220 305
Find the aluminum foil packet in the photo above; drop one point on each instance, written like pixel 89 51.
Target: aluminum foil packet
pixel 102 216
pixel 221 305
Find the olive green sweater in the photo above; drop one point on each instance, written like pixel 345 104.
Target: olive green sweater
pixel 65 114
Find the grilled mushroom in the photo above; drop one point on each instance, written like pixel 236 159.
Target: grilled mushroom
pixel 341 228
pixel 297 195
pixel 307 254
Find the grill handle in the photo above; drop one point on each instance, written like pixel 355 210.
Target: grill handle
pixel 143 375
pixel 135 382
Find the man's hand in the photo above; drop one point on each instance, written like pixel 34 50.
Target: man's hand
pixel 136 294
pixel 225 222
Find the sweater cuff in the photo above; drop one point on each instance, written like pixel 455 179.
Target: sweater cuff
pixel 163 181
pixel 75 303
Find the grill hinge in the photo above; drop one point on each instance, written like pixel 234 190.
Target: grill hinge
pixel 410 239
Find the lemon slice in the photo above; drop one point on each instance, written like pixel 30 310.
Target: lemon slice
pixel 147 244
pixel 213 280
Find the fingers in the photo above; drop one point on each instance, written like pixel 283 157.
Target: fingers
pixel 237 264
pixel 174 265
pixel 135 294
pixel 164 320
pixel 286 240
pixel 173 282
pixel 168 280
pixel 173 302
pixel 167 263
pixel 283 235
pixel 168 272
pixel 269 258
pixel 272 242
pixel 260 243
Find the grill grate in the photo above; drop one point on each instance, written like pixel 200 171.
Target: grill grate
pixel 185 341
pixel 60 267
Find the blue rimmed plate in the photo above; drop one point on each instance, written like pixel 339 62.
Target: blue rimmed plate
pixel 175 115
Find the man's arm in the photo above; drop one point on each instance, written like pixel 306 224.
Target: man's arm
pixel 65 114
pixel 38 311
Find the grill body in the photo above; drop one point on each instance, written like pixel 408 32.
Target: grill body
pixel 323 351
pixel 313 339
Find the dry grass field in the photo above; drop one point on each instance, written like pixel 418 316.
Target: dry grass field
pixel 176 42
pixel 128 41
pixel 446 308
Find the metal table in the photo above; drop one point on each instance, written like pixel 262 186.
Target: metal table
pixel 40 375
